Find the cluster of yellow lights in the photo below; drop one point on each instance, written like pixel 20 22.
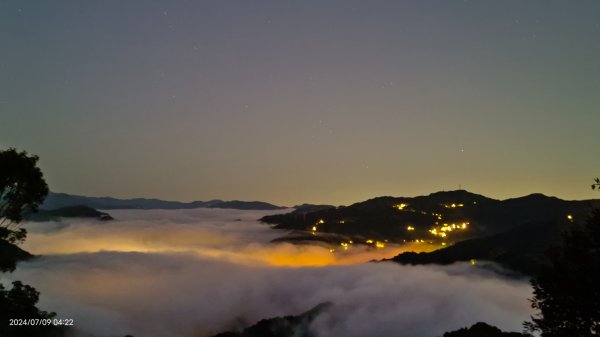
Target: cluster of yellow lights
pixel 440 231
pixel 320 222
pixel 446 228
pixel 401 206
pixel 314 228
pixel 345 245
pixel 570 217
pixel 378 244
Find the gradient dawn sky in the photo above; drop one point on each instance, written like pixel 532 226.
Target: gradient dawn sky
pixel 304 101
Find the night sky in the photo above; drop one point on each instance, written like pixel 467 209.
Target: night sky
pixel 304 101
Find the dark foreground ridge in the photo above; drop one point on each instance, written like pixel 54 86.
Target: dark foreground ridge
pixel 288 326
pixel 520 249
pixel 298 326
pixel 482 330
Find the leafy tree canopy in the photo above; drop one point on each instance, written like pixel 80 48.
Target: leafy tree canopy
pixel 22 190
pixel 566 291
pixel 19 303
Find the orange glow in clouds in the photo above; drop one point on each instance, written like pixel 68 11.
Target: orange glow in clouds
pixel 243 242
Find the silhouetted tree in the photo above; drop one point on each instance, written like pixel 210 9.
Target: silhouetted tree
pixel 19 303
pixel 566 291
pixel 22 189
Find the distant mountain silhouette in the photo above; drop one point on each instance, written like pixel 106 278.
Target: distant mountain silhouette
pixel 79 211
pixel 288 326
pixel 307 208
pixel 58 200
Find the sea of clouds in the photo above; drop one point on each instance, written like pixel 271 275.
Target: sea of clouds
pixel 194 273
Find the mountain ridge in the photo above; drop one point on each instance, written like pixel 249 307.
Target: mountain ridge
pixel 402 219
pixel 56 200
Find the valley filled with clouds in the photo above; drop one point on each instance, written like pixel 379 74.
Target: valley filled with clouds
pixel 199 272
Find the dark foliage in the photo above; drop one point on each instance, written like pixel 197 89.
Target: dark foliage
pixel 22 190
pixel 19 303
pixel 566 291
pixel 596 184
pixel 13 236
pixel 10 254
pixel 482 330
pixel 22 185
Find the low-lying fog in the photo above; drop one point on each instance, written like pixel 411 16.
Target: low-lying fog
pixel 193 273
